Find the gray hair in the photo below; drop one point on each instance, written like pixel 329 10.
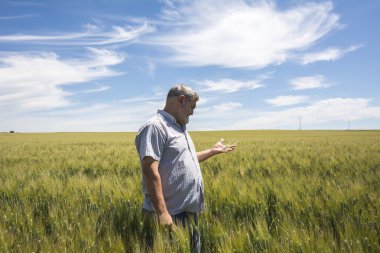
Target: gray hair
pixel 180 89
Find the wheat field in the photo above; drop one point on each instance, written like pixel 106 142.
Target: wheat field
pixel 279 191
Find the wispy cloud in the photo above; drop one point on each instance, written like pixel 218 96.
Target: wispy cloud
pixel 100 89
pixel 225 107
pixel 320 112
pixel 309 82
pixel 144 98
pixel 151 68
pixel 230 85
pixel 329 54
pixel 32 82
pixel 287 100
pixel 220 108
pixel 94 35
pixel 242 34
pixel 17 17
pixel 108 117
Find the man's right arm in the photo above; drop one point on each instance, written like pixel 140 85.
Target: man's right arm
pixel 154 187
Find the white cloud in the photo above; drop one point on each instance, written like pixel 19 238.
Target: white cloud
pixel 145 98
pixel 119 115
pixel 230 85
pixel 17 17
pixel 97 117
pixel 242 34
pixel 324 111
pixel 116 116
pixel 151 68
pixel 309 82
pixel 100 89
pixel 287 100
pixel 329 54
pixel 30 82
pixel 225 107
pixel 220 108
pixel 93 36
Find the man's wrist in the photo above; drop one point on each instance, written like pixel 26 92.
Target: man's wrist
pixel 212 151
pixel 161 210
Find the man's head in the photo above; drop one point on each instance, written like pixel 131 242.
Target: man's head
pixel 181 102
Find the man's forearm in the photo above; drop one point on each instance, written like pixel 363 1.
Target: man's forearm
pixel 153 183
pixel 154 187
pixel 205 154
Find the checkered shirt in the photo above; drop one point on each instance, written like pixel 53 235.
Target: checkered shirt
pixel 181 178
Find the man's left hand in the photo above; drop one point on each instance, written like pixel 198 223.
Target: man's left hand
pixel 220 147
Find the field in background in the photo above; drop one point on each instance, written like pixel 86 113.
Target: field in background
pixel 280 191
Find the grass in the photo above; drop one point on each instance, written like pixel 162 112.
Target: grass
pixel 280 191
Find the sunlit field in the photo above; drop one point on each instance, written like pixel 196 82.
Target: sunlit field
pixel 280 191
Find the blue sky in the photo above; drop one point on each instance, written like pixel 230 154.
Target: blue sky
pixel 107 65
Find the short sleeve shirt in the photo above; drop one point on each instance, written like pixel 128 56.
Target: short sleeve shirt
pixel 181 178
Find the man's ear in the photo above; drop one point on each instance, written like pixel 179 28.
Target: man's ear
pixel 181 99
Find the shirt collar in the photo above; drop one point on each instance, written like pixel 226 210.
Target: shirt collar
pixel 170 118
pixel 167 116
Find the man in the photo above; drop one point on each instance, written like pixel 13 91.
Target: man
pixel 172 180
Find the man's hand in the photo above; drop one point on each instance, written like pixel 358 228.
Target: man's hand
pixel 220 147
pixel 165 219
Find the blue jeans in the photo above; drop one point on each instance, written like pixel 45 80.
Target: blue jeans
pixel 190 221
pixel 187 220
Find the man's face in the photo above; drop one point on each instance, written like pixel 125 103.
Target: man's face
pixel 186 109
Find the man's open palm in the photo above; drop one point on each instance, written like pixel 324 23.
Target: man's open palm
pixel 220 147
